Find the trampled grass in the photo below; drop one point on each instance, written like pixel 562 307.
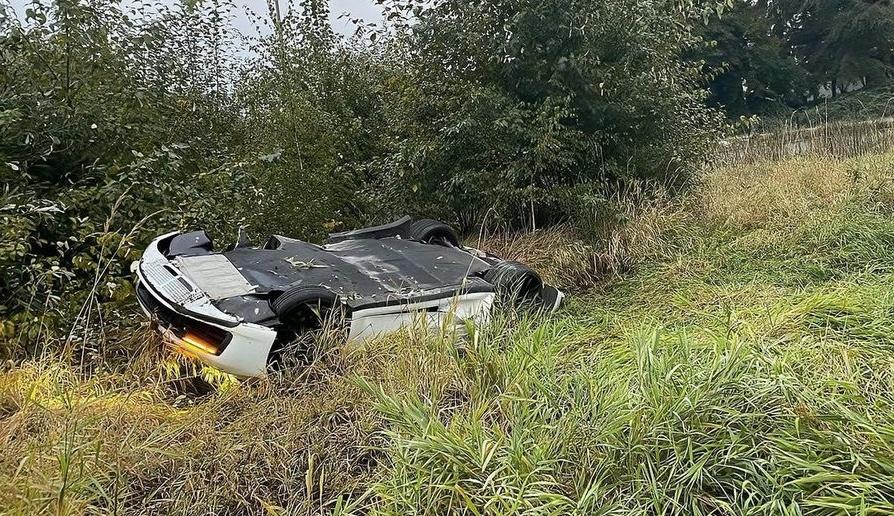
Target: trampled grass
pixel 740 363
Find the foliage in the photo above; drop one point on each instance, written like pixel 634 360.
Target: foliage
pixel 505 104
pixel 107 119
pixel 769 56
pixel 751 69
pixel 841 42
pixel 311 106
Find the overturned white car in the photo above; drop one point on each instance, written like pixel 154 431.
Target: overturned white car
pixel 237 309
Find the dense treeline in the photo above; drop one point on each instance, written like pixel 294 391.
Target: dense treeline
pixel 769 56
pixel 118 125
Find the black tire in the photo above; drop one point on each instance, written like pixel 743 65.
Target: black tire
pixel 433 232
pixel 305 308
pixel 514 281
pixel 300 297
pixel 302 312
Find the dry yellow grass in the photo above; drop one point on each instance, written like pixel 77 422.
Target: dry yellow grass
pixel 788 192
pixel 838 140
pixel 148 437
pixel 640 221
pixel 644 221
pixel 559 254
pixel 648 222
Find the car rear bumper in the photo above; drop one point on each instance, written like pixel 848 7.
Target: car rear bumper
pixel 184 312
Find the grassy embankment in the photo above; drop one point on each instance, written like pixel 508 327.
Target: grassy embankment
pixel 739 362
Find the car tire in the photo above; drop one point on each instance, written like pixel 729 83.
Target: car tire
pixel 301 311
pixel 433 232
pixel 303 299
pixel 514 282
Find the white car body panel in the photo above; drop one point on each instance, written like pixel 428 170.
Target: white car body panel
pixel 373 322
pixel 245 355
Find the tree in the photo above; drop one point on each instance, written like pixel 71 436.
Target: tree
pixel 311 107
pixel 751 68
pixel 841 42
pixel 765 54
pixel 506 104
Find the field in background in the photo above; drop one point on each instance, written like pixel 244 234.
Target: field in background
pixel 727 352
pixel 843 139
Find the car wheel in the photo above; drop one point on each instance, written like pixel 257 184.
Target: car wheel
pixel 300 297
pixel 304 312
pixel 433 232
pixel 514 282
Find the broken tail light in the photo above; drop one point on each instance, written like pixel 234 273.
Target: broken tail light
pixel 194 334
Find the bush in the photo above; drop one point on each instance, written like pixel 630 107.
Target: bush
pixel 107 122
pixel 315 116
pixel 505 103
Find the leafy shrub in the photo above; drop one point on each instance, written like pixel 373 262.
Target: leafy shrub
pixel 504 103
pixel 316 119
pixel 102 131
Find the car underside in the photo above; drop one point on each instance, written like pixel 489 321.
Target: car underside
pixel 234 309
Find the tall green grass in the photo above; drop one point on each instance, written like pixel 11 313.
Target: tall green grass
pixel 749 402
pixel 741 363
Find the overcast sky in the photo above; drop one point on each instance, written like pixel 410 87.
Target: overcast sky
pixel 365 9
